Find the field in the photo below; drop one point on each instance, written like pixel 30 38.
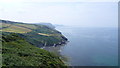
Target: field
pixel 17 28
pixel 35 34
pixel 21 45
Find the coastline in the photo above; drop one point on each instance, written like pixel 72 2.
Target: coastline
pixel 56 49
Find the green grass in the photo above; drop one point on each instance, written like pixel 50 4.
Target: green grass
pixel 29 26
pixel 19 41
pixel 17 52
pixel 16 29
pixel 4 24
pixel 36 35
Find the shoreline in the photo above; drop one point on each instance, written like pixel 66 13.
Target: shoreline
pixel 57 51
pixel 55 45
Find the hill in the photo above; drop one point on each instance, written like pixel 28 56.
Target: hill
pixel 18 52
pixel 38 35
pixel 46 24
pixel 19 41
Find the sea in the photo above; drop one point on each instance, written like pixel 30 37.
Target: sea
pixel 90 46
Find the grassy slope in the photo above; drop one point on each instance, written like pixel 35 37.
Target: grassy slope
pixel 18 52
pixel 17 27
pixel 31 33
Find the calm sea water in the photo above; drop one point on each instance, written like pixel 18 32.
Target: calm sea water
pixel 90 46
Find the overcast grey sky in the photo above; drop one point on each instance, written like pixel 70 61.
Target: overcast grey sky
pixel 97 13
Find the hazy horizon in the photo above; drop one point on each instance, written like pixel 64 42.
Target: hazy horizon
pixel 83 14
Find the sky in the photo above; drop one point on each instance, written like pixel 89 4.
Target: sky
pixel 83 13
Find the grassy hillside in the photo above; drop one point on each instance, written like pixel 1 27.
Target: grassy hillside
pixel 16 51
pixel 19 41
pixel 38 35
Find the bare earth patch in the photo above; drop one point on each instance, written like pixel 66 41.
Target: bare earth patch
pixel 45 34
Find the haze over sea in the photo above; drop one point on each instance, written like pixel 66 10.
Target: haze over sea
pixel 91 46
pixel 94 43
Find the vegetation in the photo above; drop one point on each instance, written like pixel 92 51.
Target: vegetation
pixel 29 26
pixel 17 52
pixel 19 41
pixel 16 29
pixel 36 35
